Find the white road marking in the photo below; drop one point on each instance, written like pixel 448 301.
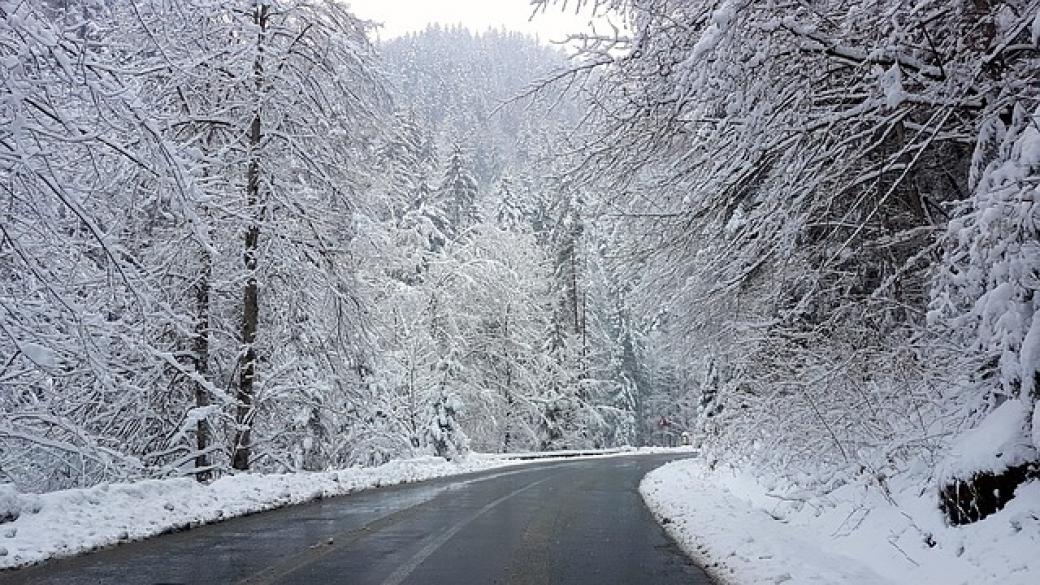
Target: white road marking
pixel 402 572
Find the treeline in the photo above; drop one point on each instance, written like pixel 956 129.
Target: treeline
pixel 237 236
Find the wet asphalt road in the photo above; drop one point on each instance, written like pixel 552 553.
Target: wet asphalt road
pixel 570 523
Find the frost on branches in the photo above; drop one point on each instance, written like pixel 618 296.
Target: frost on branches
pixel 825 214
pixel 238 236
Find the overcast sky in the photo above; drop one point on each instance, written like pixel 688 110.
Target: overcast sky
pixel 404 16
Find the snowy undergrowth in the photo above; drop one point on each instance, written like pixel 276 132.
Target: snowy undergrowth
pixel 747 531
pixel 69 522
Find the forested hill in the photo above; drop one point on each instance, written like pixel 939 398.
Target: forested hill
pixel 239 236
pixel 462 81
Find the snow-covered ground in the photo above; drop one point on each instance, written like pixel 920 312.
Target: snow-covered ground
pixel 747 533
pixel 69 522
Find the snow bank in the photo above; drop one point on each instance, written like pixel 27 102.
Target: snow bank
pixel 69 522
pixel 1001 441
pixel 745 533
pixel 568 453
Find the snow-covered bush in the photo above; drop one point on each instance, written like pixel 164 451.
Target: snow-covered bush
pixel 444 432
pixel 987 294
pixel 10 504
pixel 985 465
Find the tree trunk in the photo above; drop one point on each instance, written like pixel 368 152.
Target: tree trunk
pixel 630 366
pixel 250 297
pixel 200 353
pixel 508 435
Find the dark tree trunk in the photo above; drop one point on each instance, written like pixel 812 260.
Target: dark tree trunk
pixel 250 297
pixel 200 352
pixel 508 435
pixel 969 501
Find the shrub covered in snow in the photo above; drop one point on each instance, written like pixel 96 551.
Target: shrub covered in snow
pixel 986 464
pixel 445 433
pixel 10 504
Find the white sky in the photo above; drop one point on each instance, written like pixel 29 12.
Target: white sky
pixel 403 16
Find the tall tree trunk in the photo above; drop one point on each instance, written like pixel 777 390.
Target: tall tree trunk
pixel 630 366
pixel 250 297
pixel 508 435
pixel 413 404
pixel 200 353
pixel 574 292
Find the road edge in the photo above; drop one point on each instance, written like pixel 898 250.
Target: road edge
pixel 699 554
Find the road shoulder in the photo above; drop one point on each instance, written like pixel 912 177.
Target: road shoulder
pixel 744 534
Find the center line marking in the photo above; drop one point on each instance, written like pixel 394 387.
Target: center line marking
pixel 402 572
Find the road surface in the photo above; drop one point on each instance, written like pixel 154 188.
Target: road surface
pixel 569 523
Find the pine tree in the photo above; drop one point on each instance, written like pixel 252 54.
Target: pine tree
pixel 457 194
pixel 511 212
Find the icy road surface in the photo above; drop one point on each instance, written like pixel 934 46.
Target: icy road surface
pixel 569 523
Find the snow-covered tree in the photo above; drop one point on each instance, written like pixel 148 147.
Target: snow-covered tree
pixel 457 193
pixel 160 145
pixel 784 175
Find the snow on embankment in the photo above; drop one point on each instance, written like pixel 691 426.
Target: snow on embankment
pixel 1000 442
pixel 746 533
pixel 34 528
pixel 585 453
pixel 986 465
